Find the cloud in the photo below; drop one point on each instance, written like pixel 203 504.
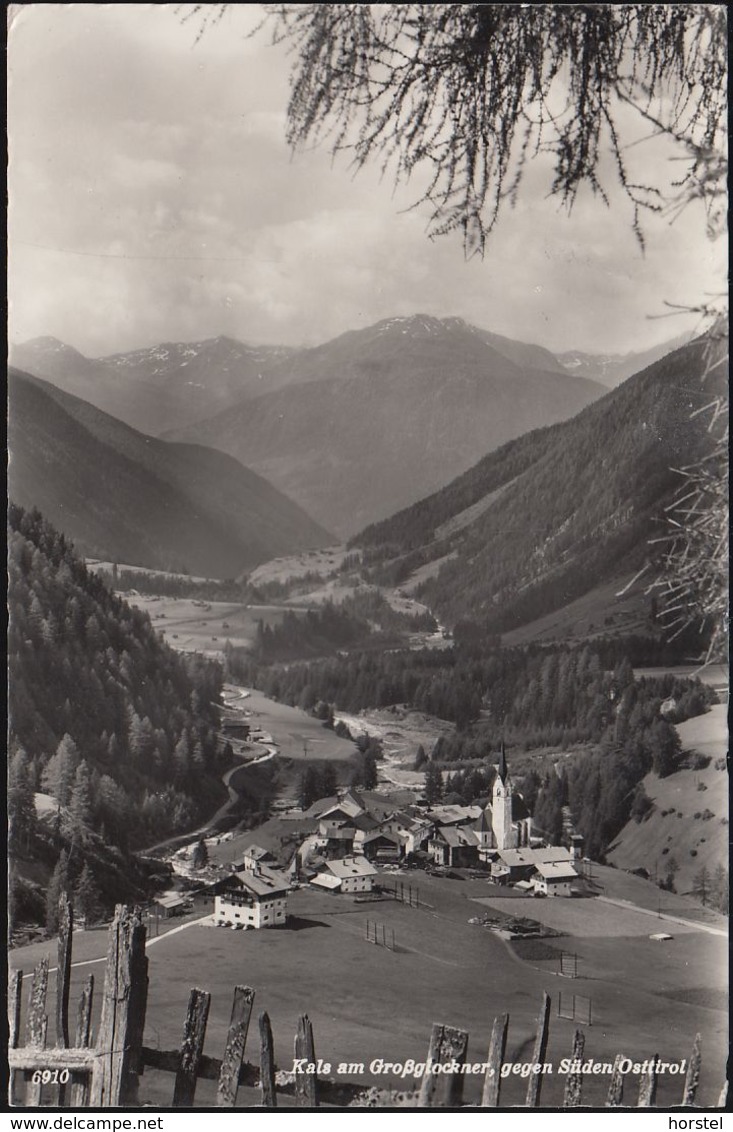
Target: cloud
pixel 155 174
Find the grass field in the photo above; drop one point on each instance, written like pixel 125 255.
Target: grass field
pixel 366 1002
pixel 296 734
pixel 196 626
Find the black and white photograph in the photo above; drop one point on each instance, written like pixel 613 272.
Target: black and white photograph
pixel 367 558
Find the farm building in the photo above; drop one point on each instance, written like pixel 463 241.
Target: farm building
pixel 352 874
pixel 549 869
pixel 513 864
pixel 255 855
pixel 255 898
pixel 554 878
pixel 378 846
pixel 413 832
pixel 171 904
pixel 453 845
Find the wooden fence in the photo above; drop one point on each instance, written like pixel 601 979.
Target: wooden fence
pixel 107 1073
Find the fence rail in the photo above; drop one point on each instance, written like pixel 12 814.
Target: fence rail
pixel 106 1073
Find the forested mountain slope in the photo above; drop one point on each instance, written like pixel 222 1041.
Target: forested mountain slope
pixel 558 511
pixel 126 496
pixel 105 718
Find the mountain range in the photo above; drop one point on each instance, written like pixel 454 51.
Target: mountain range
pixel 613 369
pixel 377 418
pixel 123 495
pixel 162 387
pixel 546 518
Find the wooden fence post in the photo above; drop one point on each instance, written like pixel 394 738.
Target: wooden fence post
pixel 63 973
pixel 616 1087
pixel 192 1046
pixel 82 1040
pixel 648 1086
pixel 306 1084
pixel 14 1003
pixel 226 1094
pixel 692 1080
pixel 574 1081
pixel 267 1063
pixel 114 1079
pixel 15 989
pixel 448 1046
pixel 495 1060
pixel 534 1086
pixel 36 1024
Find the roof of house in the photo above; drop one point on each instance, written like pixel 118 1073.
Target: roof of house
pixel 320 807
pixel 454 815
pixel 552 853
pixel 351 867
pixel 365 823
pixel 381 835
pixel 261 881
pixel 170 900
pixel 556 870
pixel 515 858
pixel 456 836
pixel 327 880
pixel 338 833
pixel 257 853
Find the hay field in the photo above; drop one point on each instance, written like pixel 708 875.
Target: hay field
pixel 366 1002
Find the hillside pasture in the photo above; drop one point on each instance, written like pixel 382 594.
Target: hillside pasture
pixel 367 1002
pixel 690 818
pixel 197 626
pixel 322 562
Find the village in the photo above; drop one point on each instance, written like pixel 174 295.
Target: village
pixel 351 845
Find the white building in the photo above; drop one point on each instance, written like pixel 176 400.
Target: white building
pixel 256 898
pixel 554 878
pixel 350 874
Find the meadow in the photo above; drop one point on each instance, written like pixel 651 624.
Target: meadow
pixel 366 1001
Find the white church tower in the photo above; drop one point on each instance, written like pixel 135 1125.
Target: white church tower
pixel 501 806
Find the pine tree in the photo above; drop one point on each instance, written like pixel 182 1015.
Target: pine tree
pixel 309 788
pixel 87 898
pixel 701 885
pixel 80 804
pixel 369 774
pixel 58 776
pixel 21 803
pixel 433 783
pixel 58 884
pixel 200 855
pixel 328 780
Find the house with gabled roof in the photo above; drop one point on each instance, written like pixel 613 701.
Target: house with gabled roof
pixel 350 874
pixel 381 846
pixel 555 878
pixel 252 898
pixel 453 846
pixel 255 855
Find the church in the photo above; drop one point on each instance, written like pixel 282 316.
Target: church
pixel 506 822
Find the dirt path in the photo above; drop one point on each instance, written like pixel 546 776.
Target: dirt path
pixel 148 944
pixel 695 924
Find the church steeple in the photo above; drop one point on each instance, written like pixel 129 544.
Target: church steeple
pixel 501 806
pixel 501 765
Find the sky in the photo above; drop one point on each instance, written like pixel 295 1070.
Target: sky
pixel 153 198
